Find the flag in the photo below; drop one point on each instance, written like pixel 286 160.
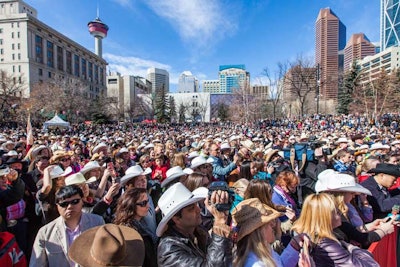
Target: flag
pixel 29 133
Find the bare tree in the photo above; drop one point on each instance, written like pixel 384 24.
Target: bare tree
pixel 11 89
pixel 300 84
pixel 275 83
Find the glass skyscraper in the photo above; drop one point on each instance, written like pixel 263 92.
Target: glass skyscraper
pixel 390 23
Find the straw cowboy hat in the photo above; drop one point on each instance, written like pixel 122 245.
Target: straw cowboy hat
pixel 132 172
pixel 108 245
pixel 91 165
pixel 174 173
pixel 200 160
pixel 249 145
pixel 269 153
pixel 251 214
pixel 78 178
pixel 59 154
pixel 173 200
pixel 331 180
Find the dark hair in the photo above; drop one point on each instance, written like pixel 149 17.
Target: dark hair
pixel 126 207
pixel 68 191
pixel 245 170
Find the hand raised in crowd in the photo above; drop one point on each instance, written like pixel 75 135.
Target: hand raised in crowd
pixel 12 176
pixel 217 197
pixel 47 184
pixel 290 214
pixel 112 191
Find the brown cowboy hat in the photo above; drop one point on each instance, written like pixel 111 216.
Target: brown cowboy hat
pixel 59 154
pixel 108 245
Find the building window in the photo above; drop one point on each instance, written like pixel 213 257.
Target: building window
pixel 19 46
pixel 112 81
pixel 40 72
pixel 84 70
pixel 39 48
pixel 69 62
pixel 1 51
pixel 12 35
pixel 101 76
pixel 1 30
pixel 18 35
pixel 13 56
pixel 50 54
pixel 60 58
pixel 19 56
pixel 49 74
pixel 1 41
pixel 76 65
pixel 19 68
pixel 13 68
pixel 96 73
pixel 90 69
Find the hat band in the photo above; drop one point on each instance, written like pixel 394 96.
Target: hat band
pixel 109 263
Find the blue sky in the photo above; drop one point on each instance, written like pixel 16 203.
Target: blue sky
pixel 200 35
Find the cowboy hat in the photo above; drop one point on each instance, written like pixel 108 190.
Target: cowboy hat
pixel 386 168
pixel 132 172
pixel 37 150
pixel 331 180
pixel 91 165
pixel 342 140
pixel 4 170
pixel 78 178
pixel 174 173
pixel 99 147
pixel 225 146
pixel 60 154
pixel 173 200
pixel 9 145
pixel 251 214
pixel 192 155
pixel 57 171
pixel 108 245
pixel 248 144
pixel 269 153
pixel 377 146
pixel 200 160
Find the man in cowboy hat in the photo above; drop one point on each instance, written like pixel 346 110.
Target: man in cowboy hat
pixel 382 200
pixel 219 171
pixel 55 238
pixel 183 242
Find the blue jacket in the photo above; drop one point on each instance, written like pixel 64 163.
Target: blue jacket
pixel 288 258
pixel 219 171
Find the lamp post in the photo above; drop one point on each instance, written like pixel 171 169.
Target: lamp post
pixel 318 87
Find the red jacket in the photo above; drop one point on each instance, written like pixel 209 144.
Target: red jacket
pixel 10 253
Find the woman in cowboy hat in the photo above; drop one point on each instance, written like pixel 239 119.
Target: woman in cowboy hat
pixel 132 207
pixel 254 226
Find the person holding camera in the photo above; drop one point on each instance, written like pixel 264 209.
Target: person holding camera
pixel 219 171
pixel 183 242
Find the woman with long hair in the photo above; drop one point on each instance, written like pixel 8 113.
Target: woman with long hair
pixel 318 218
pixel 254 232
pixel 132 207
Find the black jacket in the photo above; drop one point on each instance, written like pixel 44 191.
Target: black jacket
pixel 177 250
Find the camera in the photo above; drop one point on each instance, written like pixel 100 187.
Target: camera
pixel 223 186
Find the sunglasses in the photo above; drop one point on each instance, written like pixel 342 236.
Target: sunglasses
pixel 45 158
pixel 65 159
pixel 66 203
pixel 143 203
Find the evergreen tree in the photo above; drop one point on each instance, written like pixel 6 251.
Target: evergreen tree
pixel 347 87
pixel 182 111
pixel 172 109
pixel 162 109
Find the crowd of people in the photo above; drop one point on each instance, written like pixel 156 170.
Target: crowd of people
pixel 312 192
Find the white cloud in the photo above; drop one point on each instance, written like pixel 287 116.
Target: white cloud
pixel 124 3
pixel 199 23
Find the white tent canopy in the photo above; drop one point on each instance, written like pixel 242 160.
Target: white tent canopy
pixel 55 122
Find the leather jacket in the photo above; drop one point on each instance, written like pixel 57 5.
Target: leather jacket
pixel 177 250
pixel 329 252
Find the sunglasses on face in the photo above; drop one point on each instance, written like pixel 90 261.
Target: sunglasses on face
pixel 65 159
pixel 66 203
pixel 44 158
pixel 143 203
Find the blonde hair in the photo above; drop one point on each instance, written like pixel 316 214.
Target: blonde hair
pixel 341 205
pixel 254 242
pixel 240 185
pixel 316 217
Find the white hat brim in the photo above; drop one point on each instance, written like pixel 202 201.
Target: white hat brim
pixel 161 226
pixel 354 189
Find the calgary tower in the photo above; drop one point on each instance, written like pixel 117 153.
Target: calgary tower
pixel 99 30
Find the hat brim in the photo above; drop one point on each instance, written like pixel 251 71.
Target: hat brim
pixel 127 177
pixel 163 223
pixel 385 171
pixel 79 251
pixel 172 178
pixel 84 171
pixel 244 231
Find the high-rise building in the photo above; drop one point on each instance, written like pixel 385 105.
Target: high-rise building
pixel 159 78
pixel 233 78
pixel 34 52
pixel 211 86
pixel 390 23
pixel 358 47
pixel 188 83
pixel 330 39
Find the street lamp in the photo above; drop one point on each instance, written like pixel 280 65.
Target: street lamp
pixel 318 87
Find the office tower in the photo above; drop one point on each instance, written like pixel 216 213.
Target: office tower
pixel 358 47
pixel 188 83
pixel 390 23
pixel 330 39
pixel 34 52
pixel 211 86
pixel 233 78
pixel 159 78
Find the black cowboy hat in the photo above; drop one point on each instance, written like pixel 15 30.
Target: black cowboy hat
pixel 386 168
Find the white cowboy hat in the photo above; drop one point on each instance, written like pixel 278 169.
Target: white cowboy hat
pixel 91 165
pixel 99 147
pixel 36 150
pixel 78 178
pixel 225 146
pixel 173 200
pixel 342 140
pixel 200 160
pixel 362 147
pixel 4 170
pixel 174 173
pixel 376 146
pixel 149 146
pixel 395 142
pixel 193 154
pixel 132 172
pixel 331 180
pixel 57 171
